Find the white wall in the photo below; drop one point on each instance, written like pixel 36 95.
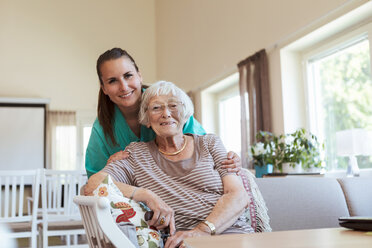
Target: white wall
pixel 310 40
pixel 200 42
pixel 48 49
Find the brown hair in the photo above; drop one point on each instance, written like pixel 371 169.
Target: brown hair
pixel 106 108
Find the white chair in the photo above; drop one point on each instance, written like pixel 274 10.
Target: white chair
pixel 100 227
pixel 12 194
pixel 60 217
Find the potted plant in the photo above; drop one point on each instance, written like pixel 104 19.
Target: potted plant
pixel 289 152
pixel 308 149
pixel 263 153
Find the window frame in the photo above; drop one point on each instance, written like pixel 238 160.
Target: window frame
pixel 327 47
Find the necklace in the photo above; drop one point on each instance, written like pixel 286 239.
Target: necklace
pixel 176 152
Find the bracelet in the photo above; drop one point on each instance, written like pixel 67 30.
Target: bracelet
pixel 211 226
pixel 134 191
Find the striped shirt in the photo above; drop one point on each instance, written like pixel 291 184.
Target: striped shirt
pixel 191 187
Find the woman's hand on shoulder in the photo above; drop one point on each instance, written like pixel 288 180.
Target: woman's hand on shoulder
pixel 118 156
pixel 163 214
pixel 93 182
pixel 232 163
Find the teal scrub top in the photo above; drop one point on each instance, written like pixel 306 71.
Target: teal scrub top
pixel 99 150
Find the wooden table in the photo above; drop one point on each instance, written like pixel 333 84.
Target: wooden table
pixel 326 237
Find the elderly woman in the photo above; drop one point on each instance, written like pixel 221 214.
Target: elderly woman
pixel 179 176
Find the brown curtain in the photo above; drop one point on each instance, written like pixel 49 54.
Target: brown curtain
pixel 255 99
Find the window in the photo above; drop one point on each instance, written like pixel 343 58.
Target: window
pixel 339 89
pixel 65 148
pixel 85 121
pixel 307 70
pixel 86 135
pixel 221 111
pixel 229 121
pixel 69 134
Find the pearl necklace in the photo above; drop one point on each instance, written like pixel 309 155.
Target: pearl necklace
pixel 176 152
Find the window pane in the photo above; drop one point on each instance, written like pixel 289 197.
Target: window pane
pixel 229 115
pixel 343 89
pixel 86 135
pixel 65 148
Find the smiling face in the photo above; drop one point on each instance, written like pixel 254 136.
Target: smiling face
pixel 164 116
pixel 121 82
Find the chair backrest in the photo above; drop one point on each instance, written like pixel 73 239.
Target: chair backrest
pixel 99 225
pixel 12 194
pixel 58 191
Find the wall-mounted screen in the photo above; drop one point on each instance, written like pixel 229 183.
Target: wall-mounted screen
pixel 22 136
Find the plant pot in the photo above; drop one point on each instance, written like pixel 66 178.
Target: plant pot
pixel 289 168
pixel 313 170
pixel 263 170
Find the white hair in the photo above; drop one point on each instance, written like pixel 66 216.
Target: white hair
pixel 163 88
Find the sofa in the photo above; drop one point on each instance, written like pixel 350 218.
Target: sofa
pixel 314 202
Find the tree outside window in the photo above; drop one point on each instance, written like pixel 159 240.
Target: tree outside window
pixel 343 85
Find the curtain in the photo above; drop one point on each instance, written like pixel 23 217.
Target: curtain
pixel 255 100
pixel 61 140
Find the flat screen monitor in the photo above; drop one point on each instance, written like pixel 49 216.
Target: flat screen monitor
pixel 22 136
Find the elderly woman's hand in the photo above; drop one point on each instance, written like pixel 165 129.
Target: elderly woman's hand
pixel 117 156
pixel 163 214
pixel 176 240
pixel 232 163
pixel 93 182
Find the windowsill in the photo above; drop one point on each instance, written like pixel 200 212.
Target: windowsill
pixel 365 173
pixel 342 173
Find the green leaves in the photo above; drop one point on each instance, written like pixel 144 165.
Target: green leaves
pixel 298 147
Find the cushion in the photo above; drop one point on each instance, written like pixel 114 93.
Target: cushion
pixel 303 202
pixel 19 226
pixel 358 195
pixel 256 213
pixel 64 225
pixel 125 211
